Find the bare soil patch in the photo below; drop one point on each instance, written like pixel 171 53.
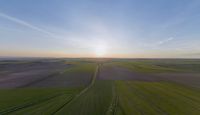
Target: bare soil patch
pixel 120 73
pixel 191 79
pixel 63 80
pixel 24 75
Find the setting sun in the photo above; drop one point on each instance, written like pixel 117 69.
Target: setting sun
pixel 100 50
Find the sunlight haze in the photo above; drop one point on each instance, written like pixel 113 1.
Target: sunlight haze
pixel 106 28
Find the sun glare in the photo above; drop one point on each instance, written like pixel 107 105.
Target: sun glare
pixel 100 50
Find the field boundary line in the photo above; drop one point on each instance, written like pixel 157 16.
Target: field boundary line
pixel 39 80
pixel 112 109
pixel 83 91
pixel 28 104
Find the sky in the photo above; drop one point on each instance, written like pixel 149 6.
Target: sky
pixel 100 28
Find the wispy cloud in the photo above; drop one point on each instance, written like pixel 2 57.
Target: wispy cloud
pixel 165 41
pixel 156 44
pixel 36 28
pixel 24 23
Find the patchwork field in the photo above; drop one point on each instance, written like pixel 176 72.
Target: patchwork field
pixel 100 87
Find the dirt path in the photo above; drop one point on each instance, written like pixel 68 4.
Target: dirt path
pixel 112 110
pixel 29 104
pixel 83 91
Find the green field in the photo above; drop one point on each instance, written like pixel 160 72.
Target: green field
pixel 34 101
pixel 86 93
pixel 160 66
pixel 49 100
pixel 156 98
pixel 94 101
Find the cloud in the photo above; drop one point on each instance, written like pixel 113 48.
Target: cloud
pixel 24 23
pixel 165 41
pixel 33 27
pixel 156 44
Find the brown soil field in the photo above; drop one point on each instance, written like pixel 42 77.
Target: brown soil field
pixel 190 79
pixel 108 72
pixel 23 75
pixel 120 73
pixel 65 80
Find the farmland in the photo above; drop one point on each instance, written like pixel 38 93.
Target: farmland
pixel 100 87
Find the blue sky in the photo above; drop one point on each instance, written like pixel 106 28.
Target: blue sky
pixel 93 28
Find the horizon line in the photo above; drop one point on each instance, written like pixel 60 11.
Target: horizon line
pixel 37 57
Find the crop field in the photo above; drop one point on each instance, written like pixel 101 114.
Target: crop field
pixel 94 101
pixel 34 101
pixel 156 98
pixel 100 87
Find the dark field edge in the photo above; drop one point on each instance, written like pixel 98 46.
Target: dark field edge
pixel 63 105
pixel 39 80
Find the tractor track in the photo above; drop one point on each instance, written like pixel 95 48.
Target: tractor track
pixel 82 92
pixel 28 104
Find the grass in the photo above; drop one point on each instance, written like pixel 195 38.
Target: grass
pixel 80 67
pixel 45 100
pixel 80 74
pixel 186 65
pixel 157 98
pixel 47 107
pixel 160 66
pixel 104 97
pixel 94 101
pixel 143 67
pixel 14 100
